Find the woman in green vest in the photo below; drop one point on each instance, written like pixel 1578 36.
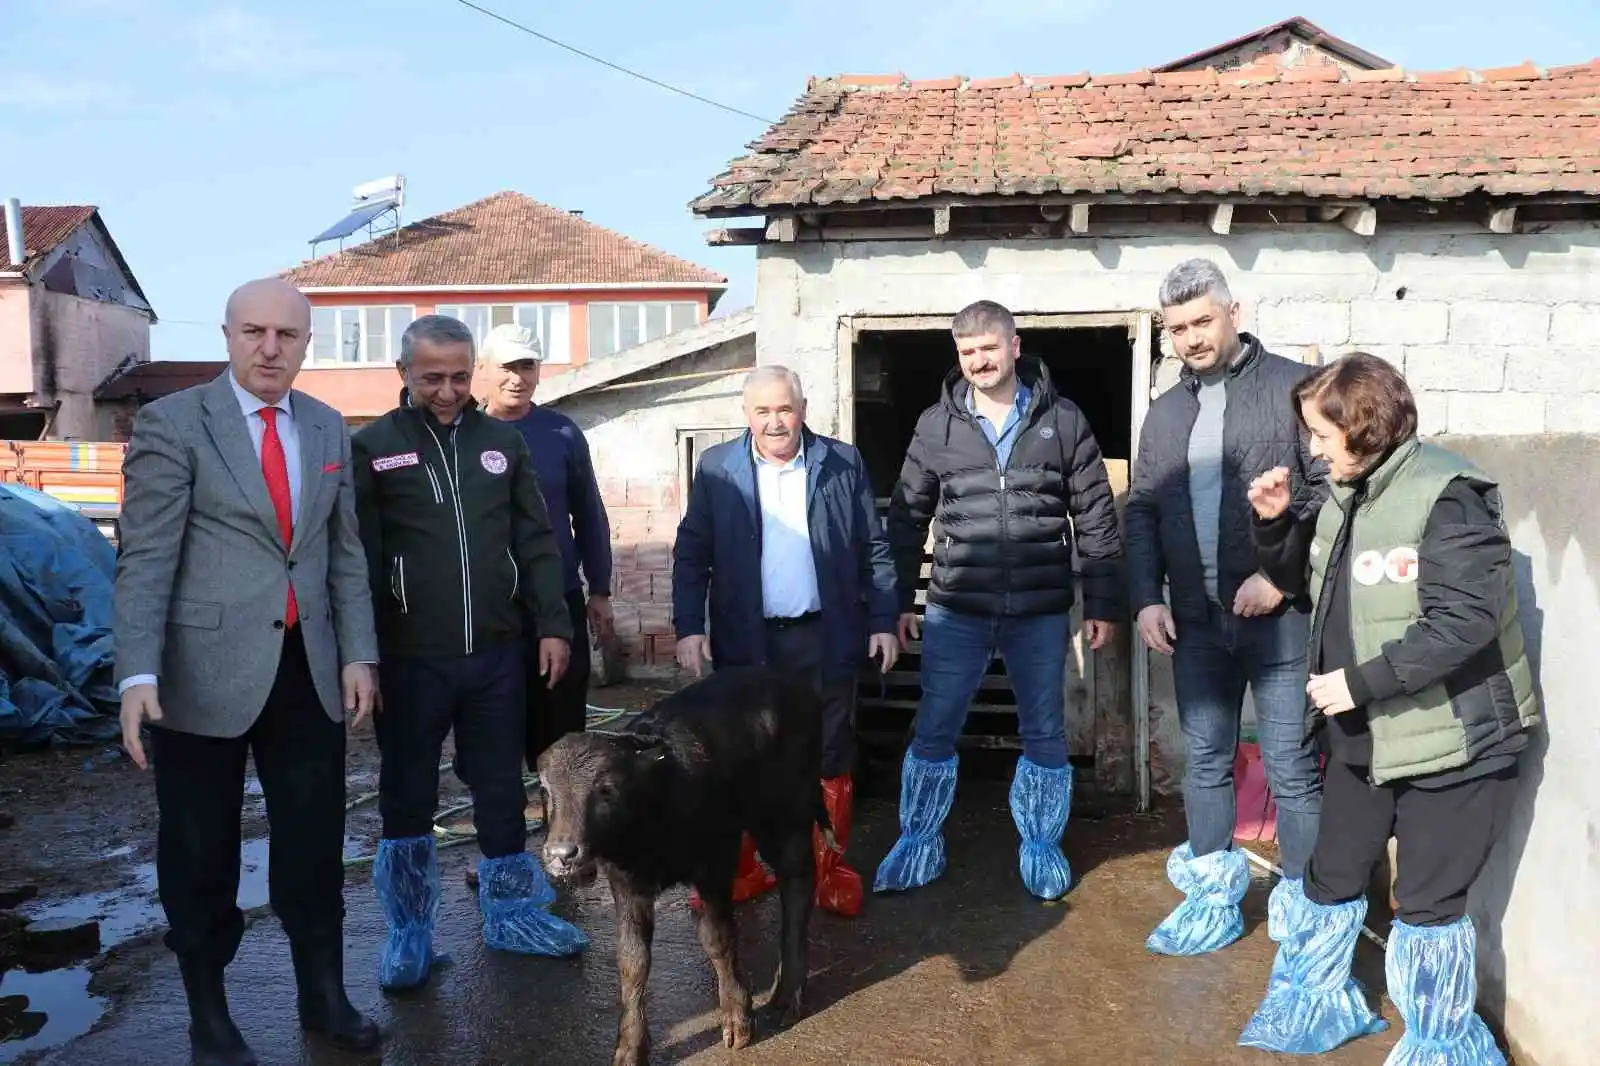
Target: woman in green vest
pixel 1423 695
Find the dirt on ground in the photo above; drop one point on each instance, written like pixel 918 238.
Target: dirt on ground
pixel 969 970
pixel 78 845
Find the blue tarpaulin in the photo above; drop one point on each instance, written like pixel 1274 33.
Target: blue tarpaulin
pixel 56 653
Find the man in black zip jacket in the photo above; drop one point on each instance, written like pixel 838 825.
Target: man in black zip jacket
pixel 459 544
pixel 1011 473
pixel 1227 420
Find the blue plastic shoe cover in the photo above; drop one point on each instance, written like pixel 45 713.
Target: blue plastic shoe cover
pixel 927 790
pixel 1287 908
pixel 513 893
pixel 1041 800
pixel 1312 1003
pixel 406 877
pixel 1209 916
pixel 1434 985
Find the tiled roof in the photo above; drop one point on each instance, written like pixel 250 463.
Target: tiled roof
pixel 1254 131
pixel 42 229
pixel 505 239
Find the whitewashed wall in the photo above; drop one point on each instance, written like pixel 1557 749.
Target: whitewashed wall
pixel 1497 334
pixel 1494 331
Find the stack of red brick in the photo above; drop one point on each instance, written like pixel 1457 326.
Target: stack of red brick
pixel 644 524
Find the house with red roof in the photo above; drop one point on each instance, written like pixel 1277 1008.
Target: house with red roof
pixel 1446 220
pixel 586 291
pixel 71 311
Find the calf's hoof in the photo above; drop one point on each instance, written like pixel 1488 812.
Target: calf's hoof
pixel 736 1029
pixel 781 1012
pixel 631 1056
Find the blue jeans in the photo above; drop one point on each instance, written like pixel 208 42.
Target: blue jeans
pixel 956 649
pixel 1211 663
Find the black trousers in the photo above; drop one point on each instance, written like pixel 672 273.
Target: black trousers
pixel 553 713
pixel 481 697
pixel 299 756
pixel 1443 838
pixel 802 646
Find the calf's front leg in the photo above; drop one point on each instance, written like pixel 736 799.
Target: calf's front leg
pixel 719 937
pixel 636 924
pixel 796 866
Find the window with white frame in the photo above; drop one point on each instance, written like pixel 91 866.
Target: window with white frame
pixel 615 327
pixel 353 336
pixel 548 321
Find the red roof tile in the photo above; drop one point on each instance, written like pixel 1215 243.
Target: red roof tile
pixel 42 229
pixel 1258 130
pixel 505 239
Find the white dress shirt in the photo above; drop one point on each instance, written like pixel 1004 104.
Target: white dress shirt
pixel 251 405
pixel 288 435
pixel 788 569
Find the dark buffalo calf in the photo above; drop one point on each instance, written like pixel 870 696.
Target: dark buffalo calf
pixel 666 805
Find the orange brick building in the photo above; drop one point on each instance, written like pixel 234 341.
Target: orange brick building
pixel 588 292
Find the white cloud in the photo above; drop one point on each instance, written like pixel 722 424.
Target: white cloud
pixel 241 43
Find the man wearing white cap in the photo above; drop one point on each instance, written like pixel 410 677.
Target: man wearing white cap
pixel 508 376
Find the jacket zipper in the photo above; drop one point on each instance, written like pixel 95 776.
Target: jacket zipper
pixel 454 481
pixel 397 584
pixel 1342 538
pixel 516 575
pixel 433 479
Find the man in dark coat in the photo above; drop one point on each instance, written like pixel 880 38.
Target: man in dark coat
pixel 508 366
pixel 1227 420
pixel 460 553
pixel 782 533
pixel 1012 474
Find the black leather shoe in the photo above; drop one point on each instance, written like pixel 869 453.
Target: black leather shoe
pixel 213 1038
pixel 325 1009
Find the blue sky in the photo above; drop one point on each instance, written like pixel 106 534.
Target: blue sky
pixel 218 137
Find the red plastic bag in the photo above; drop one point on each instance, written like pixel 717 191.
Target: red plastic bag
pixel 1257 812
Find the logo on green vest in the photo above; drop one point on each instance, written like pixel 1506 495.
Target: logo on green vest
pixel 1368 567
pixel 1400 565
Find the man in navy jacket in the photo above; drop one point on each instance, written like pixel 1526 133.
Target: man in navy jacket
pixel 782 535
pixel 509 373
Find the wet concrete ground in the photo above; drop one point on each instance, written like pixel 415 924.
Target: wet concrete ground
pixel 970 970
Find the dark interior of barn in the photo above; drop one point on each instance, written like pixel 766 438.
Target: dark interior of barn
pixel 898 374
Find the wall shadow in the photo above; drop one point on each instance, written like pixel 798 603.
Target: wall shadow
pixel 1492 894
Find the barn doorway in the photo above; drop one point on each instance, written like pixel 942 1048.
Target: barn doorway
pixel 896 368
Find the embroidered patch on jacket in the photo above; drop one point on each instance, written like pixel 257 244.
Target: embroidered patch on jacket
pixel 1047 432
pixel 332 468
pixel 1400 565
pixel 1368 567
pixel 493 461
pixel 394 462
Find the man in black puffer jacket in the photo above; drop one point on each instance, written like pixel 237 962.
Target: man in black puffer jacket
pixel 1012 474
pixel 1228 420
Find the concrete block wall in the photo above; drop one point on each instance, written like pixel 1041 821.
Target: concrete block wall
pixel 1466 315
pixel 1492 331
pixel 633 437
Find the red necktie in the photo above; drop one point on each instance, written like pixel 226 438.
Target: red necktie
pixel 276 470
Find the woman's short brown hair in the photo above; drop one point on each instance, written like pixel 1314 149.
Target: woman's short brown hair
pixel 1366 398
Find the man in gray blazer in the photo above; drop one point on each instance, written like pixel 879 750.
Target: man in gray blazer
pixel 244 624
